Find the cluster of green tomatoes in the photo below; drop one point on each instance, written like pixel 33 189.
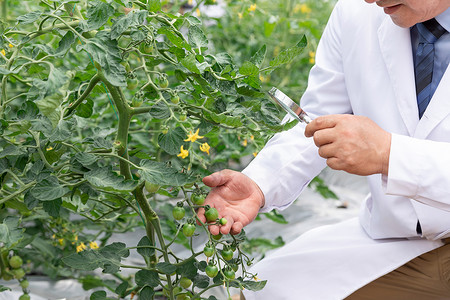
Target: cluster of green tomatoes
pixel 15 270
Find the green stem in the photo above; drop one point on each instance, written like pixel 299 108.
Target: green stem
pixel 86 93
pixel 18 192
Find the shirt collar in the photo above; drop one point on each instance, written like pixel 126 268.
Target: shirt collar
pixel 444 19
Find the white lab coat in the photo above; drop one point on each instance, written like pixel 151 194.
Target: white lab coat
pixel 364 66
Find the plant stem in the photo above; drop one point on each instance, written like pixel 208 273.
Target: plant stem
pixel 18 192
pixel 86 93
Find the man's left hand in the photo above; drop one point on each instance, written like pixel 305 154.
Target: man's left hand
pixel 354 144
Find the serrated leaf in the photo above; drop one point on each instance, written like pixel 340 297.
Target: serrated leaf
pixel 85 109
pixel 53 207
pixel 201 281
pixel 258 58
pixel 288 55
pixel 147 277
pixel 160 110
pixel 106 179
pixel 160 173
pixel 248 68
pixel 98 14
pixel 48 189
pixel 197 38
pixel 133 18
pixel 172 36
pixel 29 18
pixel 193 20
pixel 166 268
pixel 12 150
pixel 172 140
pixel 10 233
pixel 86 159
pixel 190 63
pixel 98 295
pixel 145 252
pixel 146 293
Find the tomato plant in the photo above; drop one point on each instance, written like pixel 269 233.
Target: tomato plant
pixel 109 111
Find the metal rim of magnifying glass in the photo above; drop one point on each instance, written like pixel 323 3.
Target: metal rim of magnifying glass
pixel 288 105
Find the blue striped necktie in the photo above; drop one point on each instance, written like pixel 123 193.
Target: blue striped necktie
pixel 429 32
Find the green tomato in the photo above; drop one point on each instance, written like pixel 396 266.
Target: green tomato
pixel 182 117
pixel 24 284
pixel 132 84
pixel 208 251
pixel 126 66
pixel 24 297
pixel 175 99
pixel 211 214
pixel 227 254
pixel 164 83
pixel 178 213
pixel 211 271
pixel 146 48
pixel 137 102
pixel 185 282
pixel 188 229
pixel 223 221
pixel 230 274
pixel 18 273
pixel 235 267
pixel 217 237
pixel 151 187
pixel 15 262
pixel 183 297
pixel 198 199
pixel 7 276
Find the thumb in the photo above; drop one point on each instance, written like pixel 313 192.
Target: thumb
pixel 218 178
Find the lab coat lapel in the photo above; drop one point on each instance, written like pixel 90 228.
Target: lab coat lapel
pixel 438 109
pixel 395 45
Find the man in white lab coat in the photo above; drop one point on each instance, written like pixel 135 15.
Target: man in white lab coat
pixel 366 95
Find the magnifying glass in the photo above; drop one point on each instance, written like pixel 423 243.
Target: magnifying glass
pixel 288 105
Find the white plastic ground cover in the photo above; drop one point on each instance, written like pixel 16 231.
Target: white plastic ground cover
pixel 310 210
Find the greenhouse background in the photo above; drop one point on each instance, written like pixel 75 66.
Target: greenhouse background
pixel 71 183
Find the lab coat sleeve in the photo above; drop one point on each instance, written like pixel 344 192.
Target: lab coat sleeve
pixel 289 161
pixel 420 170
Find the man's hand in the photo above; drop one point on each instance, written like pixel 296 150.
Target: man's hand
pixel 236 197
pixel 351 143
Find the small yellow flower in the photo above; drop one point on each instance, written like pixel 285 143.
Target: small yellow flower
pixel 81 247
pixel 205 147
pixel 61 241
pixel 183 153
pixel 3 52
pixel 53 236
pixel 10 45
pixel 245 143
pixel 190 2
pixel 49 148
pixel 197 11
pixel 252 7
pixel 252 137
pixel 305 9
pixel 93 245
pixel 255 278
pixel 312 57
pixel 193 137
pixel 240 15
pixel 255 153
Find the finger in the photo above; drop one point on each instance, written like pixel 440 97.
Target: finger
pixel 320 123
pixel 225 229
pixel 214 229
pixel 236 228
pixel 218 178
pixel 327 151
pixel 201 215
pixel 324 136
pixel 335 163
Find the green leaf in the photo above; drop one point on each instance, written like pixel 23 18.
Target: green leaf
pixel 166 268
pixel 29 18
pixel 248 68
pixel 188 268
pixel 190 63
pixel 98 295
pixel 172 36
pixel 193 21
pixel 48 189
pixel 258 58
pixel 197 38
pixel 53 207
pixel 98 14
pixel 276 217
pixel 145 252
pixel 65 43
pixel 160 173
pixel 10 233
pixel 108 258
pixel 201 281
pixel 121 289
pixel 86 159
pixel 85 109
pixel 223 119
pixel 288 55
pixel 147 277
pixel 12 150
pixel 154 5
pixel 146 293
pixel 254 285
pixel 160 110
pixel 106 179
pixel 172 140
pixel 4 288
pixel 133 18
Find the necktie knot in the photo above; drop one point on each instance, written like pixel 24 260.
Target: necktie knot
pixel 430 31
